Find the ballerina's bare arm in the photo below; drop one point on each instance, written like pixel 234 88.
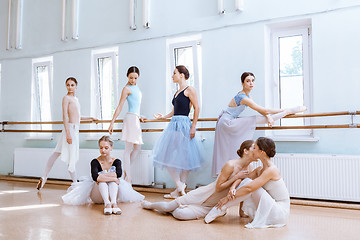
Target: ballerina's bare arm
pixel 124 94
pixel 191 94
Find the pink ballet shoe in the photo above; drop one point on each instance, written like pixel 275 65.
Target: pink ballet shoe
pixel 116 211
pixel 213 214
pixel 107 211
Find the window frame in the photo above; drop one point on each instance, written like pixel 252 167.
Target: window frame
pixel 274 84
pixel 95 101
pixel 194 43
pixel 35 104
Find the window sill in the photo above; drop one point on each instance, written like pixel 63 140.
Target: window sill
pixel 97 137
pixel 294 138
pixel 40 137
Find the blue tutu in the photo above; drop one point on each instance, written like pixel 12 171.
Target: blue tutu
pixel 175 149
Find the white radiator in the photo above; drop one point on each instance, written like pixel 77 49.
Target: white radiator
pixel 31 162
pixel 320 176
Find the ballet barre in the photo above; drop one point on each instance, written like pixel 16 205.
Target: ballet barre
pixel 352 124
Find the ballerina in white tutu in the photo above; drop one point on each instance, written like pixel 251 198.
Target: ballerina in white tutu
pixel 197 203
pixel 266 198
pixel 67 147
pixel 232 129
pixel 131 131
pixel 105 186
pixel 177 150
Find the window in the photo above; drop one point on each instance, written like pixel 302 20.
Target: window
pixel 41 92
pixel 185 52
pixel 290 86
pixel 105 94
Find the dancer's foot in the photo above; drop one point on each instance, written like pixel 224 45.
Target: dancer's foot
pixel 41 183
pixel 297 109
pixel 172 195
pixel 145 204
pixel 181 190
pixel 213 214
pixel 116 210
pixel 107 209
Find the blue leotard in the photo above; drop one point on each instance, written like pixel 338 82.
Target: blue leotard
pixel 134 99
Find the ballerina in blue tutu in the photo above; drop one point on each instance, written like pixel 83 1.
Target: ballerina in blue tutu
pixel 177 150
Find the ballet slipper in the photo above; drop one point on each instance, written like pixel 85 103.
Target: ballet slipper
pixel 181 191
pixel 145 204
pixel 115 209
pixel 41 183
pixel 172 195
pixel 107 209
pixel 297 109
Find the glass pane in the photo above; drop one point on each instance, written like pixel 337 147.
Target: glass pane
pixel 106 89
pixel 42 75
pixel 184 56
pixel 291 76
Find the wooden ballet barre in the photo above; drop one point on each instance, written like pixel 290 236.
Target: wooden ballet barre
pixel 200 119
pixel 198 129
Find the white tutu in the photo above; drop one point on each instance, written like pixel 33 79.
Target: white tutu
pixel 79 192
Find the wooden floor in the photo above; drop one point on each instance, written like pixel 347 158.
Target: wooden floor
pixel 26 213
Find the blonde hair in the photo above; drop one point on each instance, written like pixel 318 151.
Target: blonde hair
pixel 106 139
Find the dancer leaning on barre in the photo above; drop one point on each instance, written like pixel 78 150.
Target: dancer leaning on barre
pixel 231 130
pixel 68 145
pixel 177 150
pixel 266 198
pixel 197 203
pixel 105 186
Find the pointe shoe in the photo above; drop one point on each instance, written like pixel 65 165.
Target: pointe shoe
pixel 41 183
pixel 116 211
pixel 213 214
pixel 173 195
pixel 145 204
pixel 181 191
pixel 107 211
pixel 297 109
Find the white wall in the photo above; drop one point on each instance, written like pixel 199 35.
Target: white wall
pixel 231 44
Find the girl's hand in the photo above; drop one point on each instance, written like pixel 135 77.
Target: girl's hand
pixel 111 128
pixel 270 120
pixel 242 174
pixel 232 193
pixel 158 116
pixel 222 202
pixel 68 139
pixel 117 181
pixel 192 132
pixel 141 118
pixel 94 119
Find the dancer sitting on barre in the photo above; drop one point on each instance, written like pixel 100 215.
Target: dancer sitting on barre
pixel 266 198
pixel 131 130
pixel 231 130
pixel 105 186
pixel 68 145
pixel 177 150
pixel 197 203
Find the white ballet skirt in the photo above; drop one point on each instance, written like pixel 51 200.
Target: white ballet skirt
pixel 69 152
pixel 131 129
pixel 273 209
pixel 79 192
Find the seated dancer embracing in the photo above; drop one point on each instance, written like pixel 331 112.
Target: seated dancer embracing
pixel 265 199
pixel 105 186
pixel 197 203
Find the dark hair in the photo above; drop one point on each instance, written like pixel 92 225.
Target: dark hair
pixel 246 74
pixel 72 79
pixel 245 145
pixel 182 69
pixel 133 69
pixel 267 145
pixel 106 139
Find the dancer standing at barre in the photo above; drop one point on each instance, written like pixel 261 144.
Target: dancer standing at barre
pixel 232 129
pixel 67 147
pixel 131 131
pixel 177 150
